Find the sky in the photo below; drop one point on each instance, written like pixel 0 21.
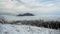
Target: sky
pixel 38 7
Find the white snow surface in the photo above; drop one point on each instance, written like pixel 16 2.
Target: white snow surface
pixel 25 29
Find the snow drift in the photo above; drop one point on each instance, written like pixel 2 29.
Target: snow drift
pixel 25 29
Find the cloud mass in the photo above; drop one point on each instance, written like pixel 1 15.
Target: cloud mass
pixel 38 6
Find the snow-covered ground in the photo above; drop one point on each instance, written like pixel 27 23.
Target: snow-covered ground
pixel 25 29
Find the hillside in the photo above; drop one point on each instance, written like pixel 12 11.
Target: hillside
pixel 25 29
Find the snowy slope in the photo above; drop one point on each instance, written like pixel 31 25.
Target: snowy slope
pixel 24 29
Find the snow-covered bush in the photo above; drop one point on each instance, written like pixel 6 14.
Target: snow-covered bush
pixel 40 23
pixel 2 20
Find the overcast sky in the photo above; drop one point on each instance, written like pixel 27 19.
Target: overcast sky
pixel 43 7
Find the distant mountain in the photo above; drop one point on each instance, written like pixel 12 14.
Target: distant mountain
pixel 26 14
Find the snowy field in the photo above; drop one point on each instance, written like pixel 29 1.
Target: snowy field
pixel 25 29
